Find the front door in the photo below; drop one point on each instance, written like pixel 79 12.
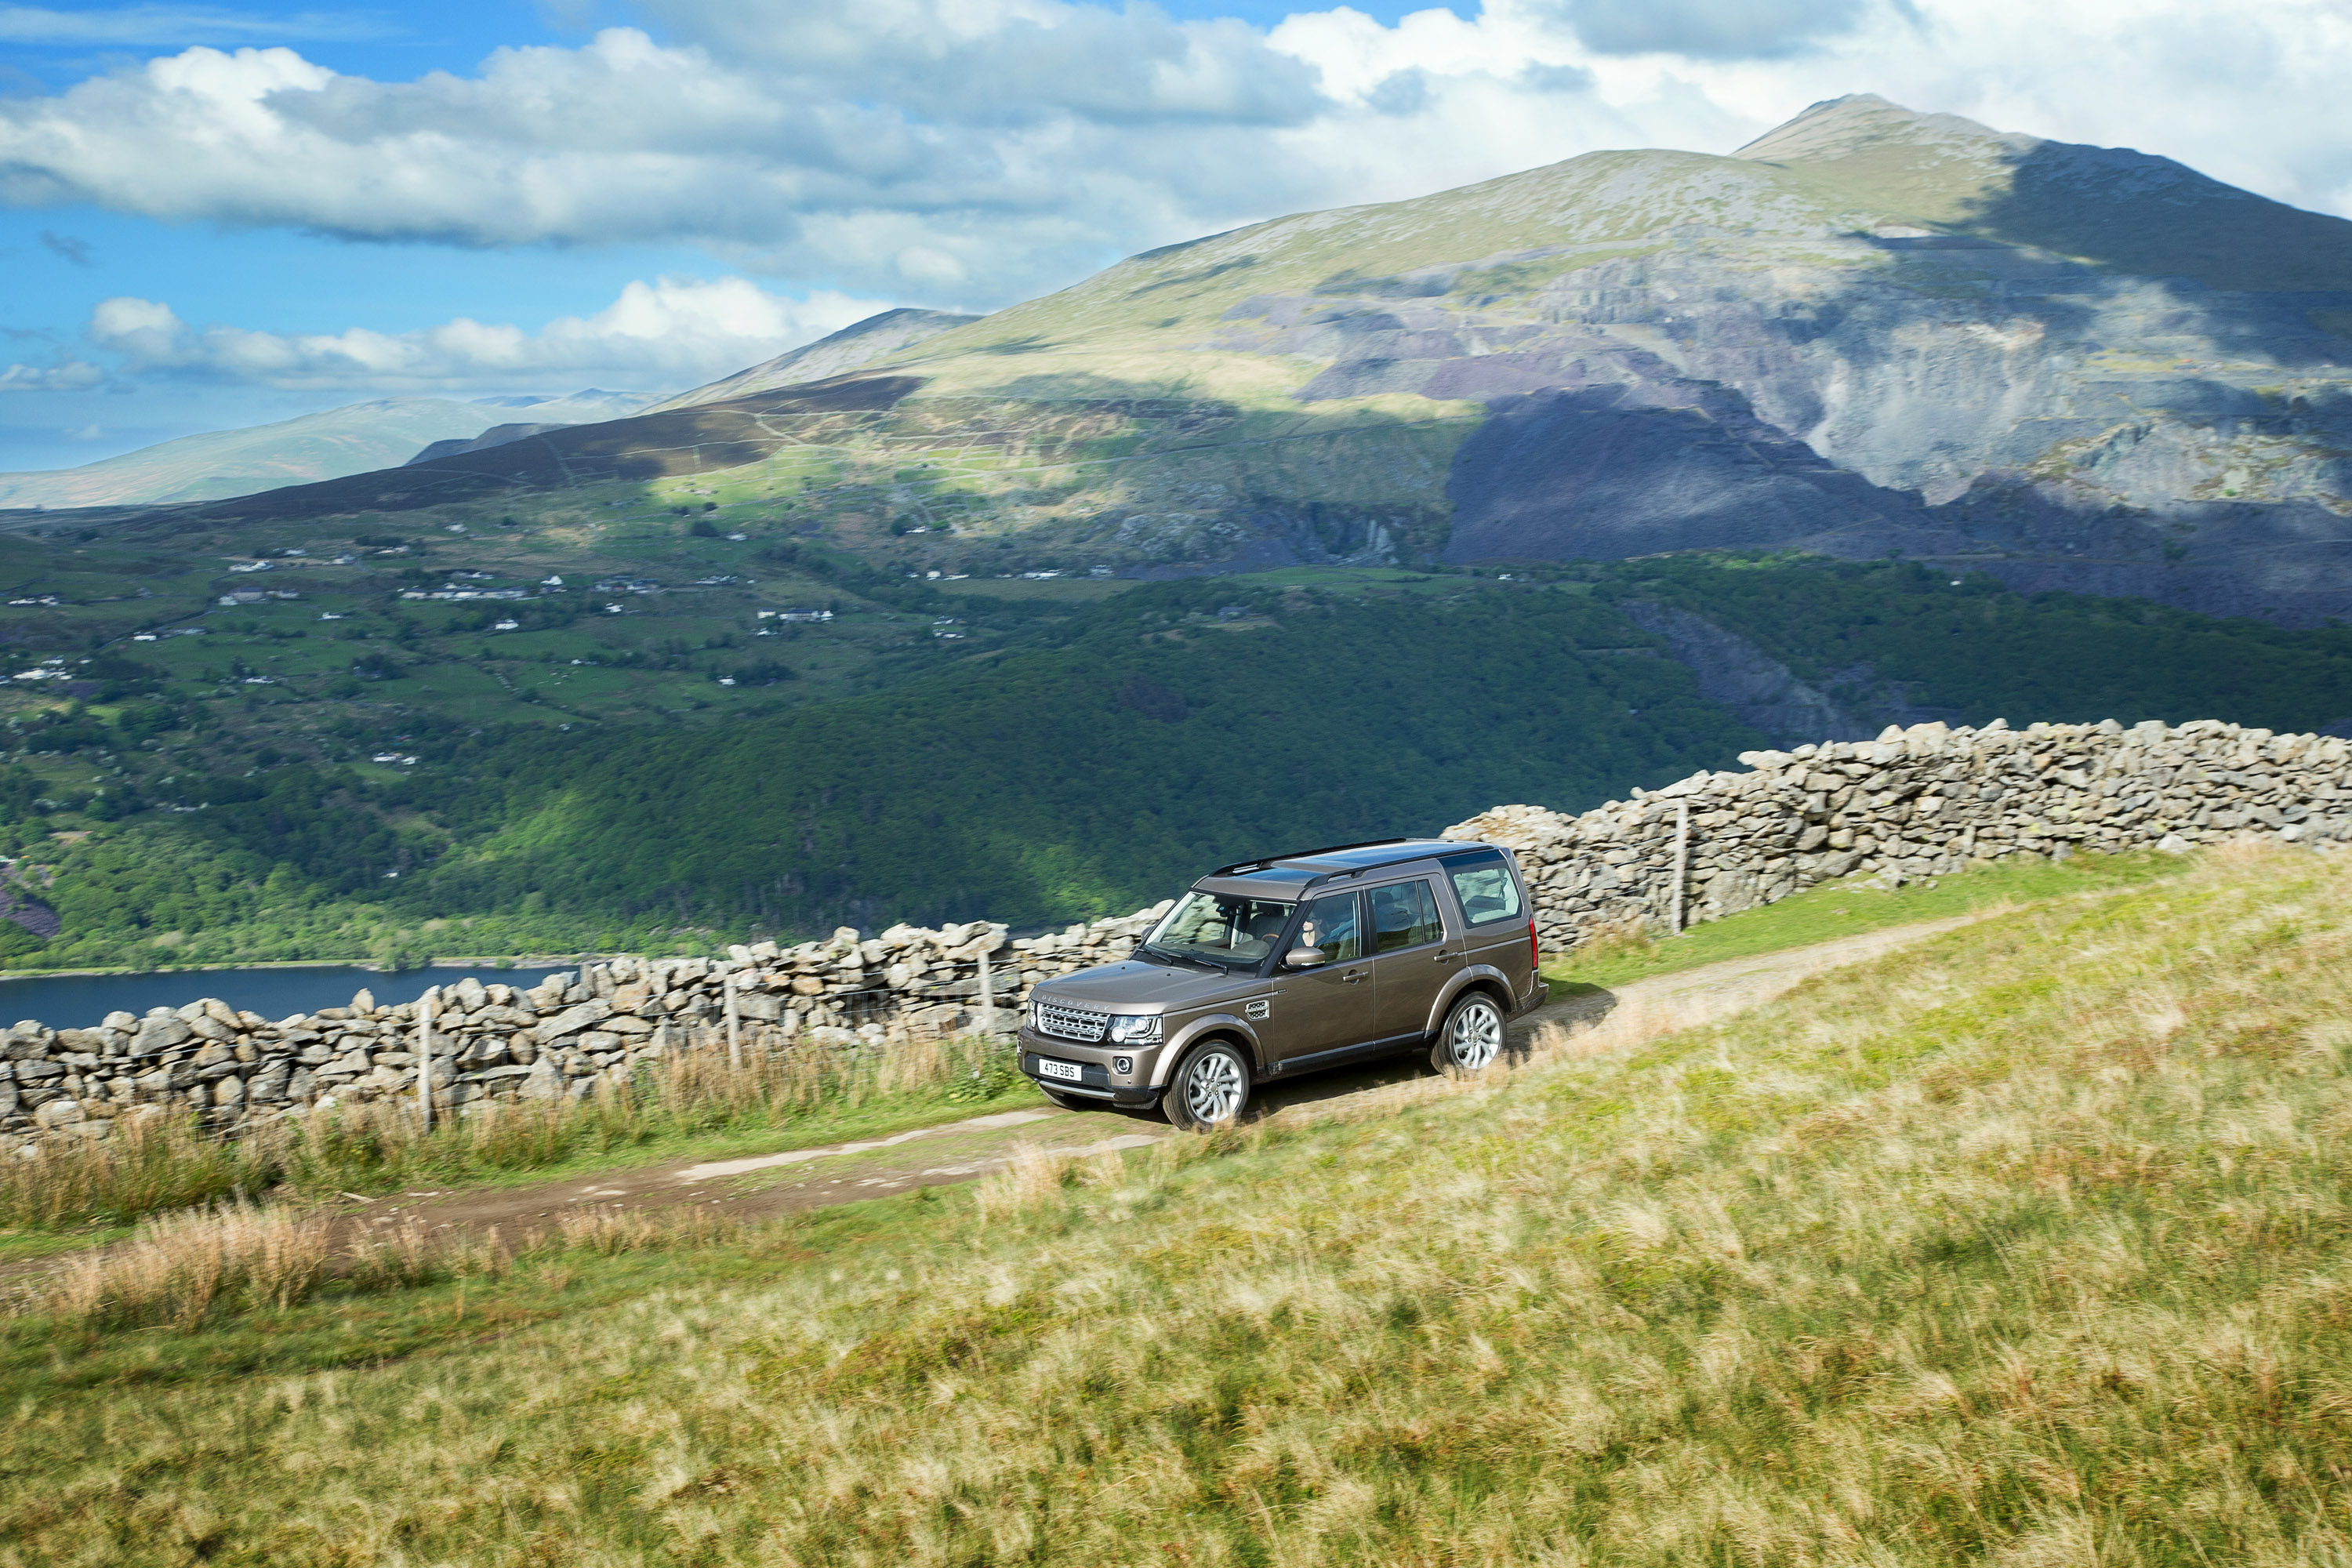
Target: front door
pixel 1329 1007
pixel 1411 958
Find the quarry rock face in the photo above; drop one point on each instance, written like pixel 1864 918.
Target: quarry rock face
pixel 1874 332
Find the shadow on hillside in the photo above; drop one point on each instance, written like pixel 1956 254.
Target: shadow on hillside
pixel 2151 216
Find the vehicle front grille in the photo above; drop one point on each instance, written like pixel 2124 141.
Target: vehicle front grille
pixel 1071 1023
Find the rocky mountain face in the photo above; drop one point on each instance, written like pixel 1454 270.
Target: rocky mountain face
pixel 1869 332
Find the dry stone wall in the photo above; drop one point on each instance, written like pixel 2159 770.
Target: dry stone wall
pixel 1916 803
pixel 494 1044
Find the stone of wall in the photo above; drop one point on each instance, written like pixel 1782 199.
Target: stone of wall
pixel 494 1042
pixel 1916 803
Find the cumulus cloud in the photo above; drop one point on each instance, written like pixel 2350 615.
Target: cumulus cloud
pixel 973 152
pixel 1706 29
pixel 883 144
pixel 671 334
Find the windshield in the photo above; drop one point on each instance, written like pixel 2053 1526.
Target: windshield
pixel 1219 928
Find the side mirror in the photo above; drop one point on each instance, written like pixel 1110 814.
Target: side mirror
pixel 1304 958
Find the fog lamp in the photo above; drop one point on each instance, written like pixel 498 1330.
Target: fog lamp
pixel 1122 1065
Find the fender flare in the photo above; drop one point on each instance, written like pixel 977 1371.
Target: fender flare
pixel 1478 976
pixel 1231 1024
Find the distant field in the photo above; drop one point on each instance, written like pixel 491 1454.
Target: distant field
pixel 644 757
pixel 1062 590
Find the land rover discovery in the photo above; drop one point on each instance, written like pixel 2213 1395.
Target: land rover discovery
pixel 1272 969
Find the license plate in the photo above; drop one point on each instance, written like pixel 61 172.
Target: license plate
pixel 1070 1070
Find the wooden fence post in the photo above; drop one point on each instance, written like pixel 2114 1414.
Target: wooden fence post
pixel 426 1006
pixel 1682 859
pixel 734 1023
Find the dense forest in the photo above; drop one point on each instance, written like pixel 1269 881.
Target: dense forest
pixel 1091 767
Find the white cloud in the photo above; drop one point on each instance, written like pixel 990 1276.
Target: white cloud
pixel 1706 29
pixel 671 334
pixel 973 151
pixel 65 375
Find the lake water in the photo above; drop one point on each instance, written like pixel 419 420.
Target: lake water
pixel 79 1001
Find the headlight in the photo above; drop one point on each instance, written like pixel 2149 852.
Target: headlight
pixel 1132 1031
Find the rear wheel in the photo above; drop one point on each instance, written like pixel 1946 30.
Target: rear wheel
pixel 1471 1037
pixel 1208 1089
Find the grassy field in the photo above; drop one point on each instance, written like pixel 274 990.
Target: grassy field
pixel 693 1105
pixel 2027 1245
pixel 1849 908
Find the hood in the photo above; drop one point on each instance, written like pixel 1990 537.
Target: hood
pixel 1131 986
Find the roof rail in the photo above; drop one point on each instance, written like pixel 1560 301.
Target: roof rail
pixel 1263 861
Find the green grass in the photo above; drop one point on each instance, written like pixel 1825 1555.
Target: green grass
pixel 2027 1245
pixel 1851 907
pixel 466 1299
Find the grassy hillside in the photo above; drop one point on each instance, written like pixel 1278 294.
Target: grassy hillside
pixel 1865 630
pixel 1087 747
pixel 2028 1245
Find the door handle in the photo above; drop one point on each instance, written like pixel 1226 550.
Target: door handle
pixel 1352 976
pixel 1445 958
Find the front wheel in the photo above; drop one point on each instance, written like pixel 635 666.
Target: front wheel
pixel 1208 1089
pixel 1471 1037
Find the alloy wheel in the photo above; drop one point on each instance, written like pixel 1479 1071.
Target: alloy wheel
pixel 1473 1036
pixel 1214 1088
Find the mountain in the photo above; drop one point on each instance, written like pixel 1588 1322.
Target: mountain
pixel 355 438
pixel 1870 331
pixel 860 343
pixel 496 435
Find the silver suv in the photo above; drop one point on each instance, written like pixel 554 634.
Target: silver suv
pixel 1276 968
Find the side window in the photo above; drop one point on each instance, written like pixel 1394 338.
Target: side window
pixel 1331 925
pixel 1405 915
pixel 1485 889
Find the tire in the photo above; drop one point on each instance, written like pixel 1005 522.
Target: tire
pixel 1209 1089
pixel 1471 1038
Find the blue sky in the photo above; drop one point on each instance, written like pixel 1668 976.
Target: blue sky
pixel 218 215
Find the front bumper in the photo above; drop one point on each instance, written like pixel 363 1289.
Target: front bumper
pixel 1096 1065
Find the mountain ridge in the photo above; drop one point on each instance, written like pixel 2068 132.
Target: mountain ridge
pixel 1868 332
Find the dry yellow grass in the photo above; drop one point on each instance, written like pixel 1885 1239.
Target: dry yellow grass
pixel 155 1164
pixel 2030 1244
pixel 178 1268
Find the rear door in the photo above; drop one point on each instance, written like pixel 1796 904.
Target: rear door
pixel 1329 1007
pixel 1493 914
pixel 1412 956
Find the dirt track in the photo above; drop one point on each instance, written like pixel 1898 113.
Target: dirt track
pixel 760 1186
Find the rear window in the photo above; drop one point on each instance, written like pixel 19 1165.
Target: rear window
pixel 1484 885
pixel 1405 915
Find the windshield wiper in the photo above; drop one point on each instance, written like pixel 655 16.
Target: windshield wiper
pixel 1169 952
